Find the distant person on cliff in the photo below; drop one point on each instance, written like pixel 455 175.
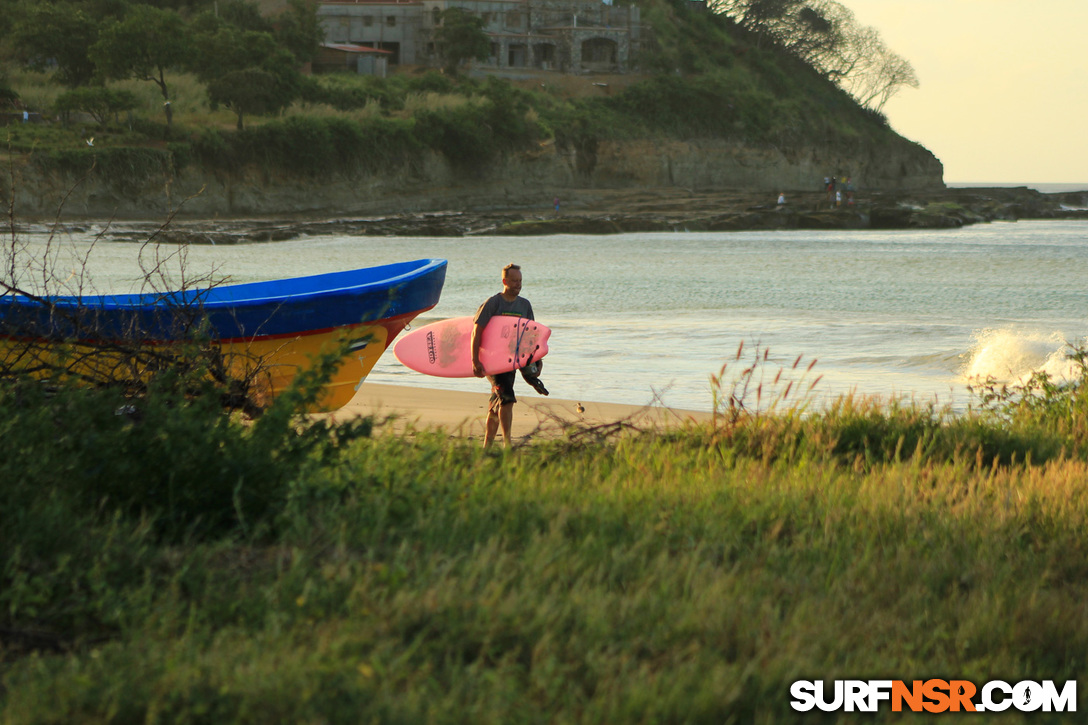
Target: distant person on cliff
pixel 556 202
pixel 781 199
pixel 500 409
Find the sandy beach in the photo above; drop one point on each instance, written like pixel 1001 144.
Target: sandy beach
pixel 463 414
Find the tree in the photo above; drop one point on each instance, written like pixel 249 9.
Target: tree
pixel 249 91
pixel 106 9
pixel 766 19
pixel 300 30
pixel 243 15
pixel 885 75
pixel 101 103
pixel 221 48
pixel 144 45
pixel 55 36
pixel 858 60
pixel 814 33
pixel 226 59
pixel 183 6
pixel 460 37
pixel 760 14
pixel 8 10
pixel 824 34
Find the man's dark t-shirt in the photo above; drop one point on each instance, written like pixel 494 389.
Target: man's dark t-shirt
pixel 498 306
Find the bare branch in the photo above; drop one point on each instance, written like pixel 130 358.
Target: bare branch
pixel 51 332
pixel 825 34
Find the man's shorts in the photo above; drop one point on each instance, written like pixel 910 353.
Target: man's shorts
pixel 502 389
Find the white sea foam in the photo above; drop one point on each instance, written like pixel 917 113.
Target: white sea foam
pixel 1013 356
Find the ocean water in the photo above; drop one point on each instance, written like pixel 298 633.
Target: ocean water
pixel 641 318
pixel 1044 188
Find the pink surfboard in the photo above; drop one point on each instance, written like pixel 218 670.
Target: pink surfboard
pixel 444 349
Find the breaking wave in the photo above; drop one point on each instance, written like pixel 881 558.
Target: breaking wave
pixel 1013 356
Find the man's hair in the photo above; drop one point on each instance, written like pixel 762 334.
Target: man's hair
pixel 510 268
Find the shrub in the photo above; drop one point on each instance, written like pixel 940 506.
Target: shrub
pixel 181 155
pixel 100 102
pixel 94 480
pixel 305 144
pixel 459 136
pixel 1043 403
pixel 213 149
pixel 431 82
pixel 685 107
pixel 376 144
pixel 350 92
pixel 8 97
pixel 126 169
pixel 470 136
pixel 312 146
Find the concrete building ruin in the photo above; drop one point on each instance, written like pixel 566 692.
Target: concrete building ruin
pixel 561 35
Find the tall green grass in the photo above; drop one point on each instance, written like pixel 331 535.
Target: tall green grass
pixel 688 575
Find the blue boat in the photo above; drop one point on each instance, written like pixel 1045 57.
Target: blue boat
pixel 277 327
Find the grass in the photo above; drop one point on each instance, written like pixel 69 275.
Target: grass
pixel 373 109
pixel 682 576
pixel 35 89
pixel 429 101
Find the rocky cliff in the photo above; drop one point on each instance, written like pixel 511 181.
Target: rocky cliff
pixel 519 181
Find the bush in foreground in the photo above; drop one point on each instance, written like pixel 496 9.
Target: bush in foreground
pixel 685 576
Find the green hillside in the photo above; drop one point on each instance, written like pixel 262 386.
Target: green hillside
pixel 703 76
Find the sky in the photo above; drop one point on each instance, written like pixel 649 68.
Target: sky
pixel 1003 84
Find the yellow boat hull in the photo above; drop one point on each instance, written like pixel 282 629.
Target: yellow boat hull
pixel 268 365
pixel 279 361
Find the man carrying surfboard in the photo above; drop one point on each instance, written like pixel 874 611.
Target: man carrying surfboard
pixel 500 410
